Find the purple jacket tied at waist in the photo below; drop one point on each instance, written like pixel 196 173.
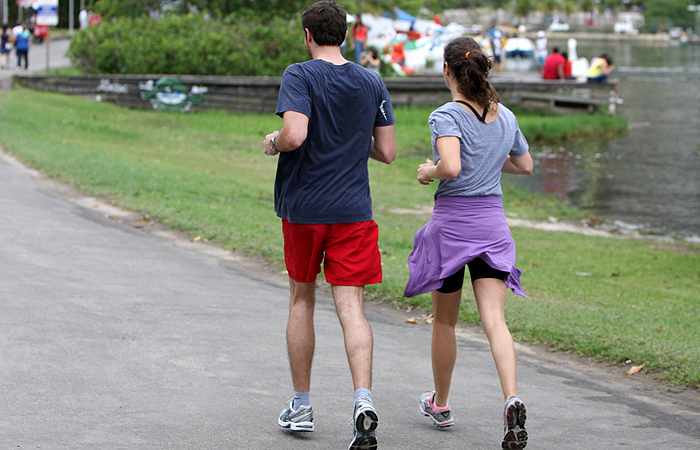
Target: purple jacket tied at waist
pixel 460 230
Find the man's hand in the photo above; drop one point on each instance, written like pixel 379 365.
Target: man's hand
pixel 267 147
pixel 423 170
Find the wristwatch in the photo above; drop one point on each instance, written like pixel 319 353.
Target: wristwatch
pixel 272 145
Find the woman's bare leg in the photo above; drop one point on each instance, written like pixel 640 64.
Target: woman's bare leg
pixel 490 296
pixel 444 347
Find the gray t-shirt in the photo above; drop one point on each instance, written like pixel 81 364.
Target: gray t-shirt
pixel 484 149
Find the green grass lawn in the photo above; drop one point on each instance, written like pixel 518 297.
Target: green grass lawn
pixel 205 173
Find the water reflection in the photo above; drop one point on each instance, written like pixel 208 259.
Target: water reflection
pixel 652 176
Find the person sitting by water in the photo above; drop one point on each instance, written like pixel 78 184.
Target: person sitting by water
pixel 568 67
pixel 554 66
pixel 371 60
pixel 600 68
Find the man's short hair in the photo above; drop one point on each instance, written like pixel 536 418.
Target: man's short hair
pixel 327 23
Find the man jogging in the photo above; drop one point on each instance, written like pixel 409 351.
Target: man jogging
pixel 336 115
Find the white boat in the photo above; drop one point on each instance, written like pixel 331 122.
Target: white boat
pixel 519 47
pixel 558 25
pixel 625 28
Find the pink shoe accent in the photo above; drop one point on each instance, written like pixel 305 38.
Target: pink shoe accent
pixel 435 408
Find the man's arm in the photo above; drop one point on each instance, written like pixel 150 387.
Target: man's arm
pixel 294 129
pixel 383 144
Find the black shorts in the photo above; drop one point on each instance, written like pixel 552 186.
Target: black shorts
pixel 477 269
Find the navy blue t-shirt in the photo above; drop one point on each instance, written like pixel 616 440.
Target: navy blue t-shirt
pixel 325 180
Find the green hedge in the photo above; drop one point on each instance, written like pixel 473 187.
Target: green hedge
pixel 189 45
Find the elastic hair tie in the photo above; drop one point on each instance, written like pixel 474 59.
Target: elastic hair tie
pixel 467 55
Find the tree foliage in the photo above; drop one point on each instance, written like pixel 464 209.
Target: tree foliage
pixel 667 13
pixel 524 7
pixel 189 45
pixel 125 8
pixel 658 13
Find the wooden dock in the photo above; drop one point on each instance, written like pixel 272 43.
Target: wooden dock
pixel 527 91
pixel 259 94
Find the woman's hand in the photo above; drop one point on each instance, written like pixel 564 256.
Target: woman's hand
pixel 425 172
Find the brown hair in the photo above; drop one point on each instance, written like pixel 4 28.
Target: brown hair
pixel 327 23
pixel 471 71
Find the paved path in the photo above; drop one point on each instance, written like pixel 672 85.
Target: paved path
pixel 116 338
pixel 37 60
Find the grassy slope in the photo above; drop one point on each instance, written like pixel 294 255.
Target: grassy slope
pixel 205 173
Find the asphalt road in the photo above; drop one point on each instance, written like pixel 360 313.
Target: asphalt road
pixel 119 337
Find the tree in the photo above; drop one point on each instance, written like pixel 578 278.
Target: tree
pixel 667 13
pixel 126 8
pixel 524 7
pixel 258 8
pixel 548 6
pixel 587 5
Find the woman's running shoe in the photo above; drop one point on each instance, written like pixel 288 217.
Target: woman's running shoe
pixel 442 417
pixel 515 435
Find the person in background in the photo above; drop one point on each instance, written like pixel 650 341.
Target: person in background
pixel 83 17
pixel 568 66
pixel 540 48
pixel 192 10
pixel 397 54
pixel 336 116
pixel 5 48
pixel 474 138
pixel 22 41
pixel 359 36
pixel 600 68
pixel 371 60
pixel 554 66
pixel 412 33
pixel 17 29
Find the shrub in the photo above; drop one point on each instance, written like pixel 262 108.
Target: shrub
pixel 189 45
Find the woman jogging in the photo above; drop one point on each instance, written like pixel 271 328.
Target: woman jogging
pixel 474 138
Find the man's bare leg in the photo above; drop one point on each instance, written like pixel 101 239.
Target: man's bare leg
pixel 300 333
pixel 349 304
pixel 357 332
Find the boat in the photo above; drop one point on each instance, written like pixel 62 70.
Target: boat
pixel 519 47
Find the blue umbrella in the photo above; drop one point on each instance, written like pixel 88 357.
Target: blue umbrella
pixel 399 14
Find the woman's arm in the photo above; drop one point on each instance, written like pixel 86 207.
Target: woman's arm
pixel 518 165
pixel 449 166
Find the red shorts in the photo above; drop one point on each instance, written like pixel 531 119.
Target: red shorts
pixel 349 251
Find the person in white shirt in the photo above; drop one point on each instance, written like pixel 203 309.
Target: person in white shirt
pixel 17 29
pixel 83 17
pixel 540 48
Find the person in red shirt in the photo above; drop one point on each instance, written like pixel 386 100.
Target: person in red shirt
pixel 359 36
pixel 568 66
pixel 554 66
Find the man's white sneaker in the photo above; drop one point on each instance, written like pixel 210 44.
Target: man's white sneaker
pixel 365 423
pixel 301 419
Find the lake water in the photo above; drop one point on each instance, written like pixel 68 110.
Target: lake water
pixel 649 179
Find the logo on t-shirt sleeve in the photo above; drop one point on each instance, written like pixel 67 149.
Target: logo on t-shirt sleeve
pixel 381 108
